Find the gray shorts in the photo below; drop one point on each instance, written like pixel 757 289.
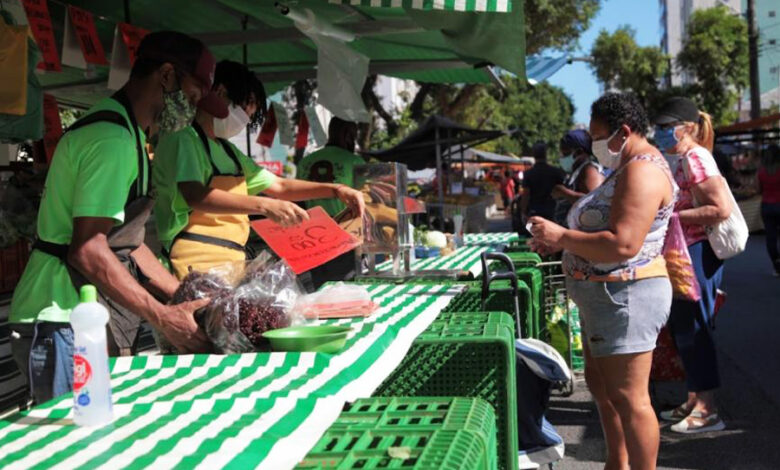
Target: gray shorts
pixel 621 317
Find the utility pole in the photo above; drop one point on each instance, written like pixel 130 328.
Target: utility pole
pixel 755 91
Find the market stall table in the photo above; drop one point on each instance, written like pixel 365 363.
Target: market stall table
pixel 496 238
pixel 232 411
pixel 465 258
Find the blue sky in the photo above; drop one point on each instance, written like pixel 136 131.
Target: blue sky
pixel 576 79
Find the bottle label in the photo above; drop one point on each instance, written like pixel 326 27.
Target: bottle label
pixel 82 372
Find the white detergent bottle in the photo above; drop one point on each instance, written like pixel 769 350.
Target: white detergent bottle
pixel 91 381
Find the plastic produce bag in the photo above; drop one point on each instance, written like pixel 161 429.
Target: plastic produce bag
pixel 679 264
pixel 246 301
pixel 337 300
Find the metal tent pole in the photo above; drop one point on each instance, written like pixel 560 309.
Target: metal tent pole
pixel 245 50
pixel 440 178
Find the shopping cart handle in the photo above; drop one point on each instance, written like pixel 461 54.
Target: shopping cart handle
pixel 509 275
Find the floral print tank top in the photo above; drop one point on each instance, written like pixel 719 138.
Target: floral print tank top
pixel 591 214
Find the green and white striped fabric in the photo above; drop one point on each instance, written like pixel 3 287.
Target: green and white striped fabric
pixel 465 258
pixel 261 410
pixel 474 239
pixel 494 6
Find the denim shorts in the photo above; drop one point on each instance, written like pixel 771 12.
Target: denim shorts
pixel 44 354
pixel 621 317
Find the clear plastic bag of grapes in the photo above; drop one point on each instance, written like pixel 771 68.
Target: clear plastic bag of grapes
pixel 247 299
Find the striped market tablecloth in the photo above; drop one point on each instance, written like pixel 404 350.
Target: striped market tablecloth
pixel 465 258
pixel 261 410
pixel 474 239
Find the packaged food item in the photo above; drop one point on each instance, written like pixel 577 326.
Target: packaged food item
pixel 246 301
pixel 679 264
pixel 339 300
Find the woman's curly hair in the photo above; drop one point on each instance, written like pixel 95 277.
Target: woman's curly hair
pixel 242 85
pixel 616 109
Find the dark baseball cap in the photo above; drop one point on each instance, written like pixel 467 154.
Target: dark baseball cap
pixel 677 109
pixel 577 139
pixel 189 55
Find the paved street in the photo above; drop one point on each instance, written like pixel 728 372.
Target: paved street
pixel 747 333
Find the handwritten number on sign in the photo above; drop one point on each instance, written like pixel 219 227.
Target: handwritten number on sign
pixel 313 236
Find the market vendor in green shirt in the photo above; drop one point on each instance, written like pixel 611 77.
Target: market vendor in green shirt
pixel 92 217
pixel 333 163
pixel 207 188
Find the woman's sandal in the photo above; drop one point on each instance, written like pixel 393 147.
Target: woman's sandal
pixel 697 422
pixel 676 415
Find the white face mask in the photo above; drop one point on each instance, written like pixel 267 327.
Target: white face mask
pixel 606 157
pixel 233 124
pixel 567 163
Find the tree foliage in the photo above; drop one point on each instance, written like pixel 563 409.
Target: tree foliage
pixel 556 23
pixel 619 63
pixel 715 53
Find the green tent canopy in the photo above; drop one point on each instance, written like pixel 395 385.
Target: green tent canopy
pixel 429 44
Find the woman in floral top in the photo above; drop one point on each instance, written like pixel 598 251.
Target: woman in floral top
pixel 617 275
pixel 686 136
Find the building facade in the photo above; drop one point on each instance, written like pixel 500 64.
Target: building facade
pixel 768 22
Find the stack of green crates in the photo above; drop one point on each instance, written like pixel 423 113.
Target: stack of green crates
pixel 410 433
pixel 465 354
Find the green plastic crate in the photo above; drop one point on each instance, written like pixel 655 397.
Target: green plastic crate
pixel 479 364
pixel 524 258
pixel 451 322
pixel 499 300
pixel 424 413
pixel 417 449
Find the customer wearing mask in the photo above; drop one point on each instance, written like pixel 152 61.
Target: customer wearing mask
pixel 685 135
pixel 584 173
pixel 207 188
pixel 92 217
pixel 615 272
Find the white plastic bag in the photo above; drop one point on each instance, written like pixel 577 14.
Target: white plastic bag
pixel 337 300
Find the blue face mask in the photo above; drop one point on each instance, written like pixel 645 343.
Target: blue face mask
pixel 665 137
pixel 567 163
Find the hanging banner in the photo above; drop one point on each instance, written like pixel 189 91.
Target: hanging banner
pixel 52 125
pixel 268 131
pixel 276 167
pixel 284 125
pixel 81 44
pixel 40 24
pixel 302 138
pixel 309 244
pixel 126 40
pixel 317 131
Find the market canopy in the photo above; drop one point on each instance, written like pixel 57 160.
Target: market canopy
pixel 424 40
pixel 472 155
pixel 419 150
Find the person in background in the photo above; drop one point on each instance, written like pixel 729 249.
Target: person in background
pixel 769 187
pixel 332 164
pixel 616 274
pixel 538 184
pixel 583 170
pixel 507 190
pixel 207 187
pixel 686 136
pixel 92 217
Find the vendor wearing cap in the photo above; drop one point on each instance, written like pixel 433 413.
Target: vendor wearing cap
pixel 207 188
pixel 92 216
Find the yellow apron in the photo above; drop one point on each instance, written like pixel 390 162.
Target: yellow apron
pixel 211 240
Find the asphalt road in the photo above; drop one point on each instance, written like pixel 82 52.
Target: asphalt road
pixel 748 338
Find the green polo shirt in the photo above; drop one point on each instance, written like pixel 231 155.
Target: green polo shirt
pixel 90 175
pixel 329 164
pixel 181 157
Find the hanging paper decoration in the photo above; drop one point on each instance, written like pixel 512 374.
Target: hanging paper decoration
pixel 284 125
pixel 40 23
pixel 268 131
pixel 317 131
pixel 81 44
pixel 302 138
pixel 52 125
pixel 126 40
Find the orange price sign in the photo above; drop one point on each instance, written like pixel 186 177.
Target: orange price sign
pixel 40 24
pixel 132 35
pixel 84 25
pixel 308 245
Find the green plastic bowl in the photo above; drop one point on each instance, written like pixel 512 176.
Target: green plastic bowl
pixel 324 339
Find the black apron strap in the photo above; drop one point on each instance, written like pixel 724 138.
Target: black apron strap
pixel 196 237
pixel 57 250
